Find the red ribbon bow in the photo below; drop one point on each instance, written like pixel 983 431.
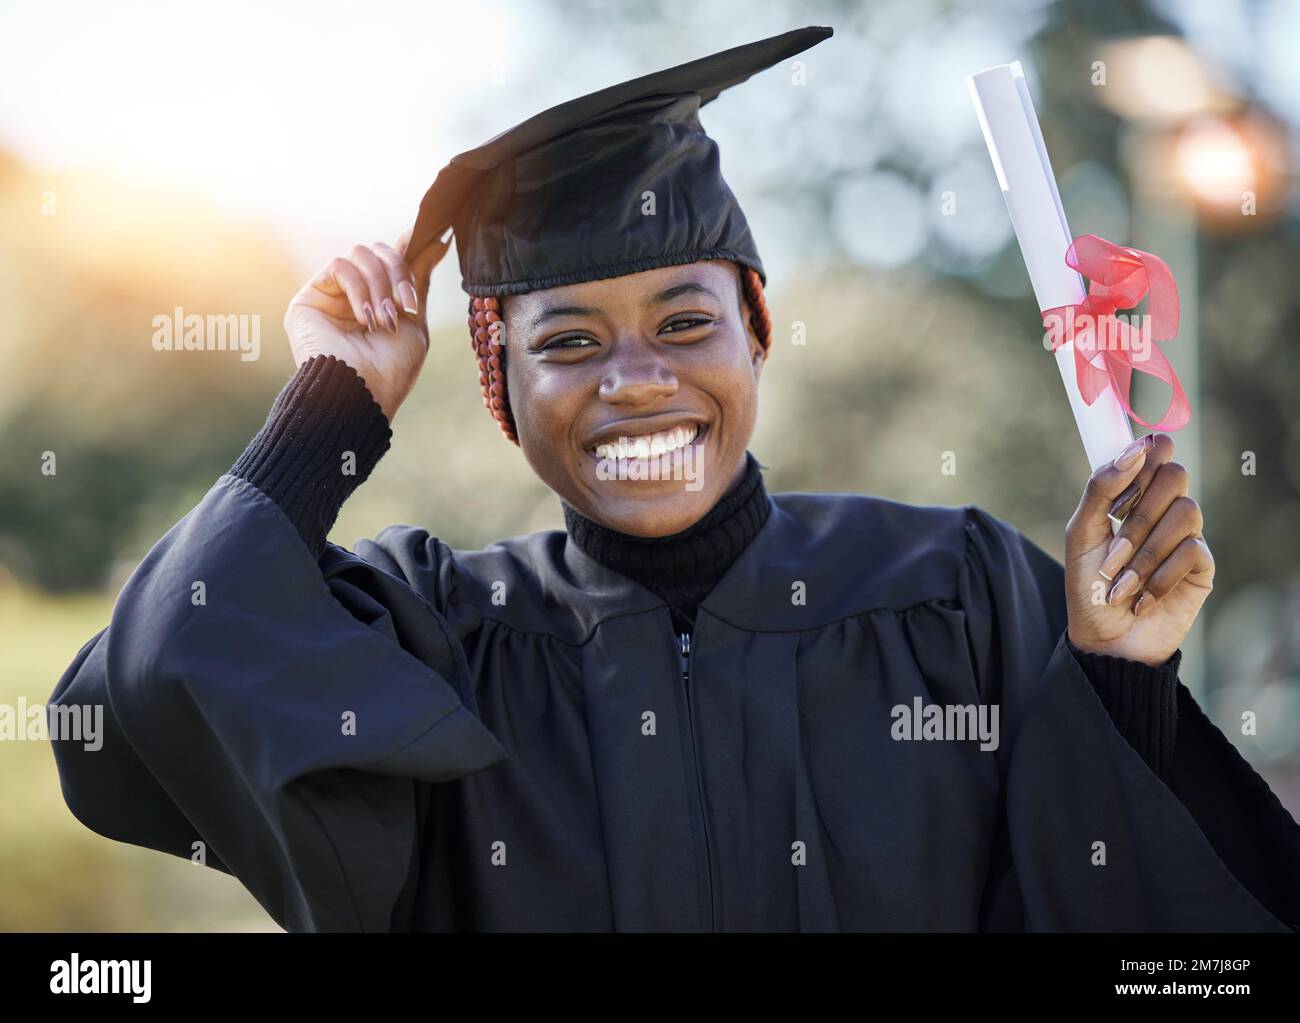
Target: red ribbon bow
pixel 1118 278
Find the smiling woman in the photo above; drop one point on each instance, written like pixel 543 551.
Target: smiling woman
pixel 629 369
pixel 679 712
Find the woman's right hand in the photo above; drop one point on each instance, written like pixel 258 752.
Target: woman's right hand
pixel 367 309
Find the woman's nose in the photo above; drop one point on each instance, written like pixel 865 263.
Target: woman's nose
pixel 637 379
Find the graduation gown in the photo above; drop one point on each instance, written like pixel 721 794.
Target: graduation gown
pixel 410 737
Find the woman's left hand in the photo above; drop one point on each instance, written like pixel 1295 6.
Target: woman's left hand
pixel 1134 594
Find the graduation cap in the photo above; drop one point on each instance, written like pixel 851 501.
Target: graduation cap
pixel 615 182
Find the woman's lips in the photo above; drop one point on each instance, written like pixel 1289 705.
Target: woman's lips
pixel 649 445
pixel 635 452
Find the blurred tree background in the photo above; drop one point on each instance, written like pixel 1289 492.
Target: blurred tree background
pixel 921 329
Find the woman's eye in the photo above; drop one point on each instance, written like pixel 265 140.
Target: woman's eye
pixel 567 343
pixel 686 323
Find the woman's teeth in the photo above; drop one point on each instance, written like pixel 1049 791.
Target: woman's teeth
pixel 651 445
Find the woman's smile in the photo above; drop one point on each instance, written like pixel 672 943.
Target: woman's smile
pixel 645 438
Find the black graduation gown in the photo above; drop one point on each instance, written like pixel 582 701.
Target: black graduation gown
pixel 527 754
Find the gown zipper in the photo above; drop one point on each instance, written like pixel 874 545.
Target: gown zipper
pixel 684 648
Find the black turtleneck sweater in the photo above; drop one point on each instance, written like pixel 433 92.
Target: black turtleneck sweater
pixel 684 567
pixel 325 423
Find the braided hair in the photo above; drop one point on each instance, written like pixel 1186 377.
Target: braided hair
pixel 485 325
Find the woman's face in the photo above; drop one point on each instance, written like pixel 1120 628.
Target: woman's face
pixel 652 374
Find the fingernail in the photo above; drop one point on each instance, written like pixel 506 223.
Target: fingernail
pixel 1130 454
pixel 1121 548
pixel 390 314
pixel 1128 582
pixel 1125 501
pixel 370 316
pixel 1144 603
pixel 407 294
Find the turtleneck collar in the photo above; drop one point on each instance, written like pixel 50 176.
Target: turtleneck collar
pixel 682 567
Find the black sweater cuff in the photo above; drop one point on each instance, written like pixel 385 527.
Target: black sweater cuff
pixel 1141 700
pixel 300 457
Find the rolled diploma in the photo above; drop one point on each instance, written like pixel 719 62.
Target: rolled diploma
pixel 1006 114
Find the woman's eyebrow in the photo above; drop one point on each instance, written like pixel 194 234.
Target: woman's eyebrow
pixel 688 288
pixel 561 310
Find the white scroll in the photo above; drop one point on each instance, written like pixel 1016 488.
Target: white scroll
pixel 1006 115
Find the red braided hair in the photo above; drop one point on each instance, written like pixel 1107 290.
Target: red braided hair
pixel 485 325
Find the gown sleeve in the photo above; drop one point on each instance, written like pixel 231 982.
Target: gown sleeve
pixel 1091 838
pixel 266 704
pixel 1142 701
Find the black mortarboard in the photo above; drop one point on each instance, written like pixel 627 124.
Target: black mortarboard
pixel 559 199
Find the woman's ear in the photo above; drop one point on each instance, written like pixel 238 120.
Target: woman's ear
pixel 757 353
